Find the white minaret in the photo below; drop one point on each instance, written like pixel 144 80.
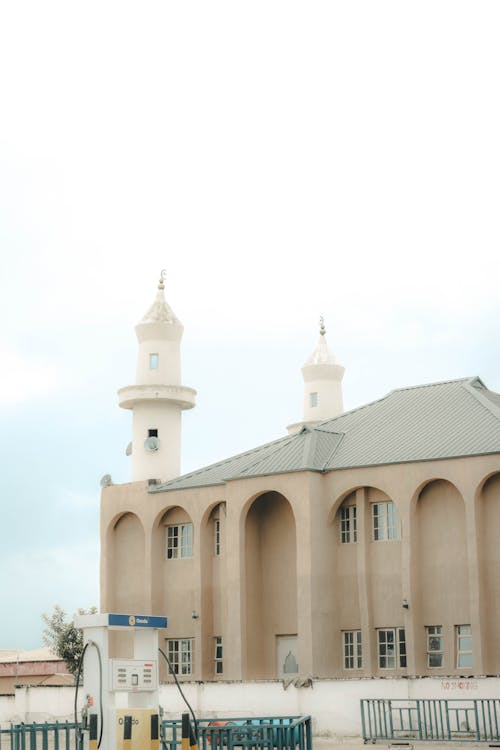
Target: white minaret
pixel 322 385
pixel 157 398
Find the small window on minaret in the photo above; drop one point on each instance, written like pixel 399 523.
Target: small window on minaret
pixel 153 361
pixel 313 398
pixel 153 433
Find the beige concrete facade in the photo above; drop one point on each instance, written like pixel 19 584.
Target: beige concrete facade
pixel 268 560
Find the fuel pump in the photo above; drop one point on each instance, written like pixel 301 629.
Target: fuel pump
pixel 121 708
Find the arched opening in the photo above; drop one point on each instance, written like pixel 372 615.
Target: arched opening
pixel 174 587
pixel 271 588
pixel 489 558
pixel 127 571
pixel 441 571
pixel 126 575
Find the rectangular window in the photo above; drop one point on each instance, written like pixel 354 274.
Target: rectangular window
pixel 384 522
pixel 153 433
pixel 179 541
pixel 217 537
pixel 464 646
pixel 218 654
pixel 391 648
pixel 434 646
pixel 348 526
pixel 180 655
pixel 351 640
pixel 313 399
pixel 153 361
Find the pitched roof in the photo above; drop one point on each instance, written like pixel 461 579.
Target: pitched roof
pixel 421 423
pixel 44 653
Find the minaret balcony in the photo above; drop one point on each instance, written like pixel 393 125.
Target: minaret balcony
pixel 178 395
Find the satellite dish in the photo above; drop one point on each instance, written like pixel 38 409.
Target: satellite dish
pixel 106 480
pixel 152 444
pixel 128 450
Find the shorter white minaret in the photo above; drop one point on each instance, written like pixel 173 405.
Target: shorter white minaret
pixel 322 385
pixel 157 398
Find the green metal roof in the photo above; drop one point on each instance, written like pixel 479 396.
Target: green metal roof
pixel 421 423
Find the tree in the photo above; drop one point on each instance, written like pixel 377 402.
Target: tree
pixel 63 638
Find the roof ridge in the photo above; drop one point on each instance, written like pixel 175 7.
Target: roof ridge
pixel 469 378
pixel 485 402
pixel 309 448
pixel 334 450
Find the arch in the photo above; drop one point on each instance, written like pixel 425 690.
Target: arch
pixel 493 475
pixel 372 491
pixel 488 523
pixel 174 579
pixel 251 500
pixel 270 550
pixel 126 569
pixel 209 510
pixel 334 507
pixel 439 568
pixel 421 487
pixel 174 516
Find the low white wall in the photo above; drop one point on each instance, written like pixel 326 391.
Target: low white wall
pixel 333 704
pixel 38 703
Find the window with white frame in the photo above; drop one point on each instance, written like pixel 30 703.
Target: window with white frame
pixel 218 654
pixel 217 537
pixel 154 360
pixel 351 641
pixel 348 524
pixel 179 541
pixel 464 646
pixel 313 399
pixel 384 522
pixel 434 645
pixel 180 654
pixel 391 644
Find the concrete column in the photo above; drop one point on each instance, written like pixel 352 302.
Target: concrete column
pixel 476 593
pixel 408 585
pixel 235 654
pixel 305 620
pixel 197 623
pixel 365 605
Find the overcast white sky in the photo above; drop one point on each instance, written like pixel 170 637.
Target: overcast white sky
pixel 281 160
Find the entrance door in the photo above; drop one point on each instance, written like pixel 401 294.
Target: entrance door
pixel 286 650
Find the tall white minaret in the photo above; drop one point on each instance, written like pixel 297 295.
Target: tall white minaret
pixel 322 376
pixel 157 398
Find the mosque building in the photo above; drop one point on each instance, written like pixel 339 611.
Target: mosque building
pixel 360 544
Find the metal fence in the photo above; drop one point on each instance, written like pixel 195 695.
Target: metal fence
pixel 474 720
pixel 54 736
pixel 263 733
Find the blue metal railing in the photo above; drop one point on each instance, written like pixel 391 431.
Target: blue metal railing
pixel 433 719
pixel 262 733
pixel 47 736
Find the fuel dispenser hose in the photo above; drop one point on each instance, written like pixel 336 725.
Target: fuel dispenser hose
pixel 101 712
pixel 180 691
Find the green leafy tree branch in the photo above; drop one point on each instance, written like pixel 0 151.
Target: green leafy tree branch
pixel 63 638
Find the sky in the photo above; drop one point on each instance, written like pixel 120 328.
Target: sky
pixel 281 161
